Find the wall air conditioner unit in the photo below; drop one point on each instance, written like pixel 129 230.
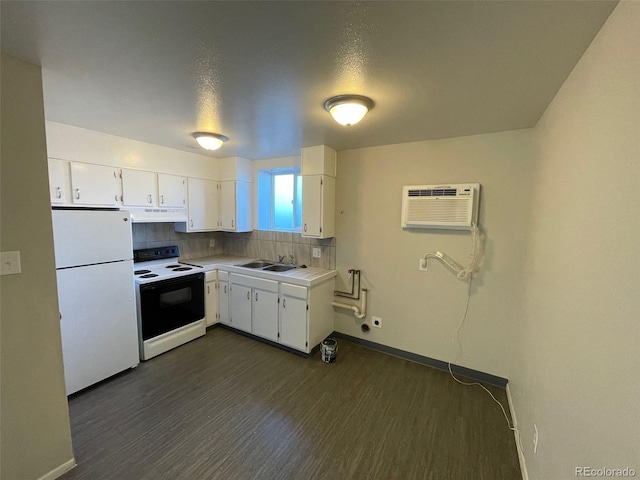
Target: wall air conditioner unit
pixel 452 207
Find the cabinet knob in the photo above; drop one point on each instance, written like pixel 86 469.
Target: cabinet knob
pixel 77 194
pixel 284 303
pixel 256 296
pixel 233 225
pixel 58 192
pixel 305 227
pixel 208 289
pixel 248 296
pixel 150 198
pixel 162 199
pixel 225 289
pixel 191 222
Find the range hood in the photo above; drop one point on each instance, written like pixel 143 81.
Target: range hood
pixel 157 214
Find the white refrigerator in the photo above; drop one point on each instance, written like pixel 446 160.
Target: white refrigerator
pixel 96 294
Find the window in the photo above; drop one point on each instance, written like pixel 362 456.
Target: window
pixel 280 200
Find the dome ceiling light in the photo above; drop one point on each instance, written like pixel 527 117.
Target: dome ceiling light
pixel 348 109
pixel 209 141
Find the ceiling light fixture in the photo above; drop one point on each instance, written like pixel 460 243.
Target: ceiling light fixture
pixel 209 141
pixel 348 109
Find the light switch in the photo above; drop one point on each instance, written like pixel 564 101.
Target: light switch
pixel 10 263
pixel 317 253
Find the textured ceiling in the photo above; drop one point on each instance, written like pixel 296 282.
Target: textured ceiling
pixel 259 72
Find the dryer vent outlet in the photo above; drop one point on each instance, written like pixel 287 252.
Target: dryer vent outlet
pixel 376 322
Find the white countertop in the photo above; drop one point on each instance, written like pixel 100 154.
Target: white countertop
pixel 306 277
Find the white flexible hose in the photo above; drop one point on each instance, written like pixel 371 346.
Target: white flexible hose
pixel 462 273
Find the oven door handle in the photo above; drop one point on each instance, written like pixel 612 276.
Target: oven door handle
pixel 172 281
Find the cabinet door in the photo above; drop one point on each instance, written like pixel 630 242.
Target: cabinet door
pixel 58 181
pixel 240 307
pixel 203 205
pixel 311 205
pixel 244 209
pixel 223 301
pixel 318 206
pixel 228 205
pixel 138 188
pixel 172 191
pixel 265 314
pixel 94 184
pixel 211 302
pixel 293 322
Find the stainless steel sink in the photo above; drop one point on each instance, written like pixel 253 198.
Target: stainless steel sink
pixel 257 264
pixel 279 268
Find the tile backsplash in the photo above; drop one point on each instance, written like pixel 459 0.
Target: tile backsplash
pixel 266 245
pixel 191 245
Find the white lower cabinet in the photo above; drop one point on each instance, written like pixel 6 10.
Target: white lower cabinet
pixel 295 316
pixel 294 311
pixel 254 305
pixel 240 303
pixel 265 311
pixel 223 297
pixel 211 297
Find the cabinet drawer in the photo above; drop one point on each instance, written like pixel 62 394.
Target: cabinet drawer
pixel 293 290
pixel 224 276
pixel 211 276
pixel 253 282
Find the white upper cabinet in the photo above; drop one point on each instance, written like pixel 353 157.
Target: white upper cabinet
pixel 318 206
pixel 202 204
pixel 235 206
pixel 318 191
pixel 138 188
pixel 59 181
pixel 318 160
pixel 172 191
pixel 95 185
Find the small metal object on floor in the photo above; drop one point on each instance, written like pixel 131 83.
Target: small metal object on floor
pixel 329 350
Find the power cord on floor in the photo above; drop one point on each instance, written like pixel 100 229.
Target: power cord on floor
pixel 455 337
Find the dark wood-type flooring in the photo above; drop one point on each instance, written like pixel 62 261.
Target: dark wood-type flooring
pixel 229 407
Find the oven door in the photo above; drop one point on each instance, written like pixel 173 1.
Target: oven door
pixel 170 304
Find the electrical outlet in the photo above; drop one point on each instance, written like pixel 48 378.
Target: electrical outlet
pixel 212 243
pixel 317 253
pixel 535 438
pixel 376 322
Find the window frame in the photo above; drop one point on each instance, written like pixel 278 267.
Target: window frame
pixel 297 192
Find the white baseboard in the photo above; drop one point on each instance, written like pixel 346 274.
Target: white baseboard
pixel 60 470
pixel 523 465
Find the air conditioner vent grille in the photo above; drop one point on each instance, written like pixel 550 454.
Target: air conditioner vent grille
pixel 441 192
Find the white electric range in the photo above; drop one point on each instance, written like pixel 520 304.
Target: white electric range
pixel 169 300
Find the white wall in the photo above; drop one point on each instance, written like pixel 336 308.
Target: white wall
pixel 81 145
pixel 578 355
pixel 420 310
pixel 35 437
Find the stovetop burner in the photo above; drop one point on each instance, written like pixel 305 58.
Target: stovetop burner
pixel 158 264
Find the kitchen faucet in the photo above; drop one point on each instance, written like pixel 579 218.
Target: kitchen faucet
pixel 293 259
